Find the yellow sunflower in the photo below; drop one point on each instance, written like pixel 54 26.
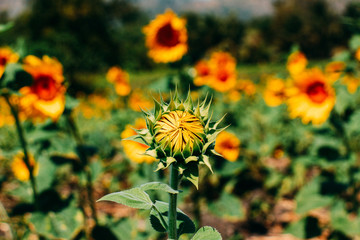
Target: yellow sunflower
pixel 134 150
pixel 351 82
pixel 120 79
pixel 178 129
pixel 357 54
pixel 166 37
pixel 222 71
pixel 7 56
pixel 19 168
pixel 228 145
pixel 274 93
pixel 45 98
pixel 311 97
pixel 202 73
pixel 6 118
pixel 333 70
pixel 296 63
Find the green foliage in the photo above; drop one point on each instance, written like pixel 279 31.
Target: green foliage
pixel 207 233
pixel 227 206
pixel 15 77
pixel 183 222
pixel 135 198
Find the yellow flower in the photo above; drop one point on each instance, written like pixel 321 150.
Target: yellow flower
pixel 45 98
pixel 138 101
pixel 274 93
pixel 351 82
pixel 357 54
pixel 311 97
pixel 228 145
pixel 19 168
pixel 222 71
pixel 166 37
pixel 202 73
pixel 135 150
pixel 7 56
pixel 333 70
pixel 177 130
pixel 6 117
pixel 246 86
pixel 296 63
pixel 93 105
pixel 120 79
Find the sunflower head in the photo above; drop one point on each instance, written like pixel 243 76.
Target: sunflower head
pixel 7 56
pixel 166 37
pixel 180 133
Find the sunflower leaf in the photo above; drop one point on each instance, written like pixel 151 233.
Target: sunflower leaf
pixel 135 198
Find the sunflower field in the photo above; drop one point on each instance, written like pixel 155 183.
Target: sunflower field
pixel 116 124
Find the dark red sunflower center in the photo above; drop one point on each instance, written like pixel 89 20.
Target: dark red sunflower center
pixel 317 92
pixel 3 61
pixel 167 36
pixel 223 76
pixel 228 145
pixel 45 87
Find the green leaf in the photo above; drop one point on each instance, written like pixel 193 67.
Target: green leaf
pixel 6 26
pixel 191 173
pixel 297 229
pixel 207 233
pixel 183 222
pixel 135 198
pixel 58 225
pixel 354 42
pixel 158 186
pixel 206 161
pixel 341 221
pixel 309 197
pixel 228 206
pixel 15 77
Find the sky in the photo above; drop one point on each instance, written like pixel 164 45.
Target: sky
pixel 243 9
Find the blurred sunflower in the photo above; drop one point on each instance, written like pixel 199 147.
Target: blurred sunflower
pixel 120 79
pixel 357 54
pixel 222 71
pixel 228 145
pixel 45 98
pixel 246 86
pixel 351 82
pixel 19 168
pixel 138 101
pixel 93 106
pixel 311 97
pixel 6 118
pixel 333 70
pixel 135 150
pixel 166 37
pixel 274 93
pixel 7 56
pixel 296 63
pixel 202 71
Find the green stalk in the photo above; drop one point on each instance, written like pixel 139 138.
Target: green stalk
pixel 85 162
pixel 174 182
pixel 23 143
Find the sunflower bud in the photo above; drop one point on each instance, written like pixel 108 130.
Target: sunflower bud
pixel 180 133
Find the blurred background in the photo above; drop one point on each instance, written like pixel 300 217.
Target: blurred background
pixel 282 179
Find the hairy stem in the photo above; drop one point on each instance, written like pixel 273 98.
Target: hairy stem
pixel 174 182
pixel 85 163
pixel 23 143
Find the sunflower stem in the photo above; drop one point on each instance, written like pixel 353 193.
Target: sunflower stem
pixel 85 162
pixel 23 143
pixel 174 183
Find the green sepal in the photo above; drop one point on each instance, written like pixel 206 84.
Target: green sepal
pixel 151 153
pixel 191 159
pixel 206 160
pixel 191 173
pixel 137 138
pixel 187 151
pixel 188 102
